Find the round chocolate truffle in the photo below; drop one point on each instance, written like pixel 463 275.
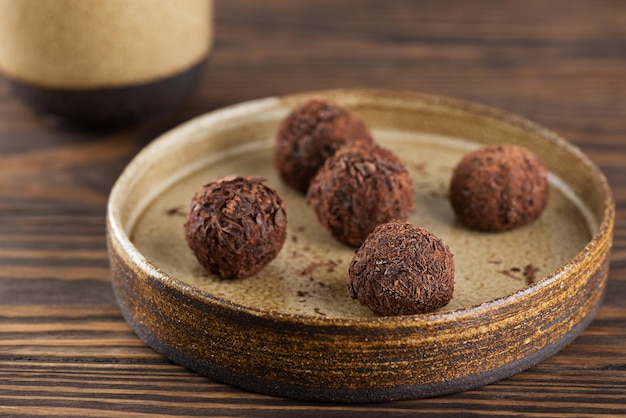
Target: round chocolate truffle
pixel 498 188
pixel 309 135
pixel 402 269
pixel 360 187
pixel 236 226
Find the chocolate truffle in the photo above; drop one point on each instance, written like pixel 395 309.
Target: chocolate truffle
pixel 236 226
pixel 402 269
pixel 498 188
pixel 309 135
pixel 360 187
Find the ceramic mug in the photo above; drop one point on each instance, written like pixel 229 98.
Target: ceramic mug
pixel 105 61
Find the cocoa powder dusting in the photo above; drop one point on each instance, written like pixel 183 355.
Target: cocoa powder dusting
pixel 236 226
pixel 402 269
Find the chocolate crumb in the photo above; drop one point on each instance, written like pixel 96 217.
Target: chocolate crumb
pixel 330 266
pixel 236 226
pixel 178 211
pixel 311 268
pixel 509 274
pixel 317 311
pixel 420 168
pixel 530 273
pixel 402 269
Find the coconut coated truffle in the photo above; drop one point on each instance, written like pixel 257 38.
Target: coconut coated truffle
pixel 360 187
pixel 402 269
pixel 236 226
pixel 498 188
pixel 309 135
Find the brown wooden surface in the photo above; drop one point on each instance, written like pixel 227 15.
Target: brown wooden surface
pixel 64 347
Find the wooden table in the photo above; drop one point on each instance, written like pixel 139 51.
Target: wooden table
pixel 64 347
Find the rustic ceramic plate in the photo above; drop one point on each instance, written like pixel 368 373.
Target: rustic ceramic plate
pixel 292 330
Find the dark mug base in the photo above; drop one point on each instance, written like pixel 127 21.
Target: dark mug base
pixel 108 107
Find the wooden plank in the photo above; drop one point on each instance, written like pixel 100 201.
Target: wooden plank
pixel 65 349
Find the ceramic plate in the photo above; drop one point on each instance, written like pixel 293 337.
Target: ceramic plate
pixel 292 329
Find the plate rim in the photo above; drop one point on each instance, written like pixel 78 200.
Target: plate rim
pixel 360 359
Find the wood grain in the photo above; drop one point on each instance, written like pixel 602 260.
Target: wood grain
pixel 64 347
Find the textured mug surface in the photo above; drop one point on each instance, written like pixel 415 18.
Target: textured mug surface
pixel 106 61
pixel 292 329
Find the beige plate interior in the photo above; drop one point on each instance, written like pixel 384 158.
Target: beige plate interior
pixel 309 276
